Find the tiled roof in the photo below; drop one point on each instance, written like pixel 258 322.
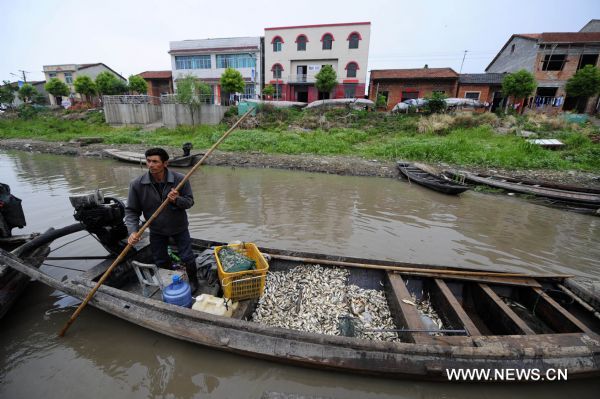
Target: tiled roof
pixel 533 36
pixel 570 37
pixel 156 74
pixel 481 78
pixel 419 73
pixel 208 44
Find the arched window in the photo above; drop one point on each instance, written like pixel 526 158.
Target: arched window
pixel 277 42
pixel 351 69
pixel 353 39
pixel 327 40
pixel 301 42
pixel 277 69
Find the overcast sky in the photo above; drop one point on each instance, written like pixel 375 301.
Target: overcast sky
pixel 132 36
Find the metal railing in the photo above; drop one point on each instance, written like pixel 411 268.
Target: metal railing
pixel 131 99
pixel 301 78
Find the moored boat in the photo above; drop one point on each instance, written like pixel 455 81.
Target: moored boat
pixel 139 158
pixel 415 174
pixel 587 199
pixel 485 319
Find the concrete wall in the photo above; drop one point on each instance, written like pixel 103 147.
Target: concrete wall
pixel 132 114
pixel 179 114
pixel 521 57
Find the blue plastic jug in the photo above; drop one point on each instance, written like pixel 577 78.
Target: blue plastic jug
pixel 178 293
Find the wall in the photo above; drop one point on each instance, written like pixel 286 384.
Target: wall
pixel 424 87
pixel 179 114
pixel 131 114
pixel 486 91
pixel 522 58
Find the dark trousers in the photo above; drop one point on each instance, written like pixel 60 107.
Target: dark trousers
pixel 159 244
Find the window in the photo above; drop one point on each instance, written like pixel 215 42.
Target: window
pixel 192 62
pixel 473 95
pixel 51 75
pixel 301 43
pixel 327 41
pixel 409 95
pixel 512 49
pixel 587 59
pixel 349 91
pixel 353 40
pixel 277 41
pixel 235 61
pixel 249 90
pixel 351 69
pixel 68 78
pixel 277 68
pixel 553 62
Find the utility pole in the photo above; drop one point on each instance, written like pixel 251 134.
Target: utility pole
pixel 463 61
pixel 24 75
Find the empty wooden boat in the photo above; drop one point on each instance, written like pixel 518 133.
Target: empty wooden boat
pixel 429 180
pixel 135 157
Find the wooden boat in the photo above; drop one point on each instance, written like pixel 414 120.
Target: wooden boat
pixel 588 199
pixel 551 327
pixel 135 157
pixel 426 179
pixel 31 249
pixel 543 184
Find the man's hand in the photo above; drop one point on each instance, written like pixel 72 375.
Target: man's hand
pixel 173 195
pixel 133 239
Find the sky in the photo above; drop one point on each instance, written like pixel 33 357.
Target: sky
pixel 132 36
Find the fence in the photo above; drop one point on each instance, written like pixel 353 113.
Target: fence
pixel 143 110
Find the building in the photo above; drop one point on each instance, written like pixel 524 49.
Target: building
pixel 67 73
pixel 37 84
pixel 207 59
pixel 159 82
pixel 553 58
pixel 397 85
pixel 295 54
pixel 484 87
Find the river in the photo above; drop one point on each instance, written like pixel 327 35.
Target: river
pixel 105 357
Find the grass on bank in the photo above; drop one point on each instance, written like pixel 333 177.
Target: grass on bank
pixel 464 139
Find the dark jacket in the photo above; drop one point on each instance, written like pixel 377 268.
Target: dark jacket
pixel 144 199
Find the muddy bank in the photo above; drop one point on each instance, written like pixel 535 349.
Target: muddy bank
pixel 341 165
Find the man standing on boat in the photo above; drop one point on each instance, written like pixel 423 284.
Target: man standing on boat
pixel 146 194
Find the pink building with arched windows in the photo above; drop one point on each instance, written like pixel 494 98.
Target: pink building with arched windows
pixel 295 54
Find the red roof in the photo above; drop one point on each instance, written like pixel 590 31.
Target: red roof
pixel 570 37
pixel 156 75
pixel 534 36
pixel 420 73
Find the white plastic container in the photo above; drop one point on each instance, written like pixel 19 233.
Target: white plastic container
pixel 214 305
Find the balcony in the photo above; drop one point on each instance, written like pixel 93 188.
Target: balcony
pixel 301 78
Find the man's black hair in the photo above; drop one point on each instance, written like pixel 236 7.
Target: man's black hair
pixel 157 151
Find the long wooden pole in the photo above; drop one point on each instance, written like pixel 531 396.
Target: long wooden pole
pixel 413 269
pixel 145 226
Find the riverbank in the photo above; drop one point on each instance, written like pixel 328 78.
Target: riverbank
pixel 340 165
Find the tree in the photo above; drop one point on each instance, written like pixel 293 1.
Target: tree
pixel 57 88
pixel 436 103
pixel 85 85
pixel 108 84
pixel 232 81
pixel 7 93
pixel 326 79
pixel 137 85
pixel 584 84
pixel 269 90
pixel 519 85
pixel 27 93
pixel 192 92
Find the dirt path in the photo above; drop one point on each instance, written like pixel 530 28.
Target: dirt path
pixel 340 165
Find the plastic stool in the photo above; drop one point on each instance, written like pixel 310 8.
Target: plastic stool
pixel 150 275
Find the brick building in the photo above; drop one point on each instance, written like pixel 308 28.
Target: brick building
pixel 553 58
pixel 484 87
pixel 159 82
pixel 397 85
pixel 295 54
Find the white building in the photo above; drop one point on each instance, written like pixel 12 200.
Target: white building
pixel 207 59
pixel 295 54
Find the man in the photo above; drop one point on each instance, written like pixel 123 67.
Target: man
pixel 146 194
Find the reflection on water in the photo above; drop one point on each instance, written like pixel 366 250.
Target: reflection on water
pixel 366 217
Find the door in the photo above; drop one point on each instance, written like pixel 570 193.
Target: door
pixel 301 73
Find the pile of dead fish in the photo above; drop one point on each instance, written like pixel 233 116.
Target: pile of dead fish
pixel 313 298
pixel 431 320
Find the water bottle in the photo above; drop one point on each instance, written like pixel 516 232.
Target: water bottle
pixel 178 293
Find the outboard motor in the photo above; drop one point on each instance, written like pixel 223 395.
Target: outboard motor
pixel 103 217
pixel 187 148
pixel 11 212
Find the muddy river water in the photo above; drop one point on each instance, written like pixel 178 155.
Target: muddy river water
pixel 105 357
